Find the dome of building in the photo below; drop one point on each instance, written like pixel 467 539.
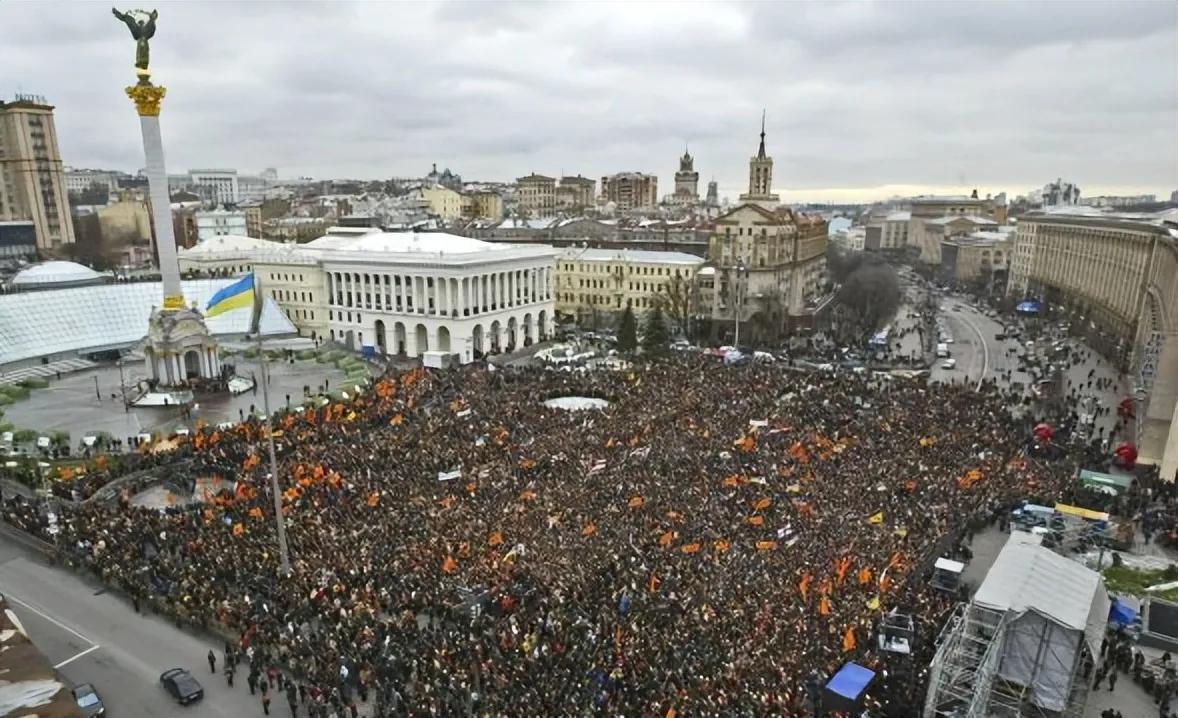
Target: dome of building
pixel 56 274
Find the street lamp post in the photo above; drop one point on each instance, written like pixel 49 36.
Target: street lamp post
pixel 283 551
pixel 742 272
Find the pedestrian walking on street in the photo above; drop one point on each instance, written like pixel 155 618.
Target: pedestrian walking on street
pixel 252 681
pixel 1112 679
pixel 229 674
pixel 212 662
pixel 266 704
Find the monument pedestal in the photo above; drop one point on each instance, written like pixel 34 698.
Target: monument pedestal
pixel 178 347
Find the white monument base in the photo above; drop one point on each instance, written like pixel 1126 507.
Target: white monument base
pixel 178 347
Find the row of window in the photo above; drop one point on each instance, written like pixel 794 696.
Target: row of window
pixel 286 295
pixel 603 268
pixel 281 277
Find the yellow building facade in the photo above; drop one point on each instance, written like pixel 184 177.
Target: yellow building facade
pixel 601 282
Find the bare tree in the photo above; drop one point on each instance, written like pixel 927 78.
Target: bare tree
pixel 769 319
pixel 872 295
pixel 676 301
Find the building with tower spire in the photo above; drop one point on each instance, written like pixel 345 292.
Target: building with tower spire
pixel 687 179
pixel 713 198
pixel 761 177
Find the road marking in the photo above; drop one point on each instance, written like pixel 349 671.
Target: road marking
pixel 47 617
pixel 985 349
pixel 76 656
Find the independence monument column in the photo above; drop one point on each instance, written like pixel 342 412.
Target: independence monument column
pixel 178 346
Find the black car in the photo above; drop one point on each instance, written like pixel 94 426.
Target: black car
pixel 180 684
pixel 88 700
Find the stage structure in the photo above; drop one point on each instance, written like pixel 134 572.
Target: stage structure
pixel 1020 647
pixel 178 346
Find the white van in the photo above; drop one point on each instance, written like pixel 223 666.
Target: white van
pixel 942 350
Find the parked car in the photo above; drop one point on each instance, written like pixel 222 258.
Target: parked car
pixel 88 700
pixel 182 686
pixel 949 364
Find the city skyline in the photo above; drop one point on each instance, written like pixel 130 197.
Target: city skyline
pixel 1018 95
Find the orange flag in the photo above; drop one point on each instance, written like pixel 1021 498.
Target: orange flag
pixel 636 502
pixel 670 713
pixel 396 420
pixel 762 504
pixel 864 576
pixel 721 545
pixel 690 548
pixel 804 586
pixel 841 568
pixel 495 539
pixel 449 565
pixel 824 606
pixel 756 520
pixel 589 530
pixel 731 481
pixel 373 498
pixel 666 539
pixel 653 584
pixel 238 529
pixel 849 639
pixel 766 545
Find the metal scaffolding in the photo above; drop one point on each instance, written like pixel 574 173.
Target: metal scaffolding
pixel 964 679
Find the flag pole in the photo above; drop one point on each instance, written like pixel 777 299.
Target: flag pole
pixel 279 520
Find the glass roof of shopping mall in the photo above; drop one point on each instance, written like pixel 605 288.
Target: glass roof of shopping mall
pixel 57 321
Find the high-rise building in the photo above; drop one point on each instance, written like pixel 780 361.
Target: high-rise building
pixel 537 195
pixel 32 178
pixel 575 193
pixel 761 177
pixel 218 186
pixel 687 179
pixel 1060 192
pixel 1118 272
pixel 631 190
pixel 713 199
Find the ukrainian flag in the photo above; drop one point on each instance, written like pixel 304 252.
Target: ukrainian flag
pixel 236 296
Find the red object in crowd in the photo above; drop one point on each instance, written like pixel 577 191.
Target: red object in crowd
pixel 1126 455
pixel 1044 433
pixel 1126 409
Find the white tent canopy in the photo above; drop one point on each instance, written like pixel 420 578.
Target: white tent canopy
pixel 1051 605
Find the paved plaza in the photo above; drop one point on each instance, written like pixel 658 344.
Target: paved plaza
pixel 91 401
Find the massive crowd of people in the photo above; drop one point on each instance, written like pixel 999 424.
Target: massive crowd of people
pixel 705 545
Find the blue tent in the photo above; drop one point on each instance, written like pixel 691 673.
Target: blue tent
pixel 845 690
pixel 1121 613
pixel 1028 306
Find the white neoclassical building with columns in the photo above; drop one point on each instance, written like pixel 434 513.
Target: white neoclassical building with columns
pixel 404 292
pixel 408 293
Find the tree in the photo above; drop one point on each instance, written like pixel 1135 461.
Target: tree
pixel 676 298
pixel 769 319
pixel 656 339
pixel 872 295
pixel 628 331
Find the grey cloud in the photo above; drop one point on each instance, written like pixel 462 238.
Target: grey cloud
pixel 858 95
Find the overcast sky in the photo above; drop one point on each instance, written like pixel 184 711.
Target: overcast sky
pixel 864 99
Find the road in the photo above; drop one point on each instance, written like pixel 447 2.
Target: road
pixel 984 356
pixel 95 637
